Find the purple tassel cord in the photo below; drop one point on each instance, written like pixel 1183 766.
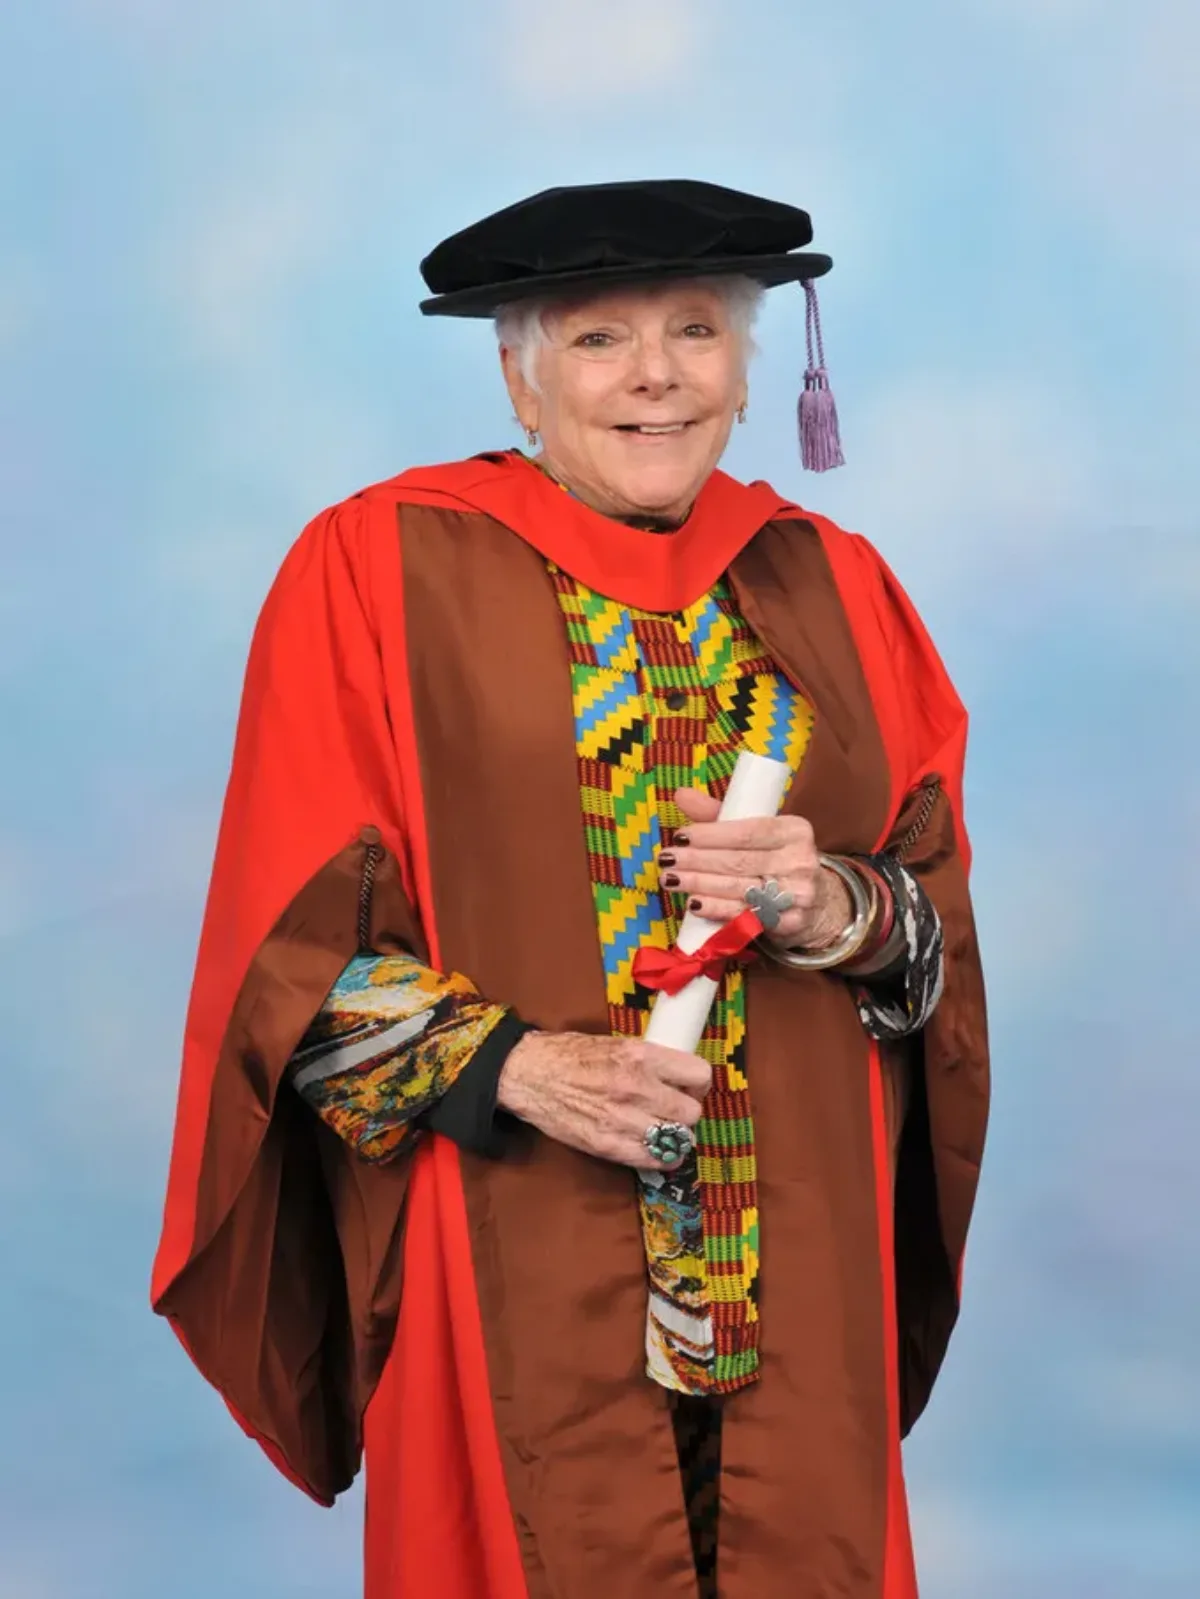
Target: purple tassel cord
pixel 820 438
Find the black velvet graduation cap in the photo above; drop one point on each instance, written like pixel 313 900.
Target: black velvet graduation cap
pixel 598 234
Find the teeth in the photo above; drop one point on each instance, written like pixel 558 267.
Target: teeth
pixel 667 427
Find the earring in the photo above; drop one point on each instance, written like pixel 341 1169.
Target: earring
pixel 741 412
pixel 531 434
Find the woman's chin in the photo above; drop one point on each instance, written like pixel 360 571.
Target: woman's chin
pixel 660 490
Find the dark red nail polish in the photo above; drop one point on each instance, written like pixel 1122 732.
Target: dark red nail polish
pixel 670 880
pixel 682 840
pixel 666 859
pixel 693 904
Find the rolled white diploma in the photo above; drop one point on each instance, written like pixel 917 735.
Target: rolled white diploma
pixel 678 1020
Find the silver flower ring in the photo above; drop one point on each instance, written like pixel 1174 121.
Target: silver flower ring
pixel 769 902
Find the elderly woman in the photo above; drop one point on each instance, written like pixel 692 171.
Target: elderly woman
pixel 606 1317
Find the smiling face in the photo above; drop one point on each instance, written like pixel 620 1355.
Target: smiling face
pixel 637 391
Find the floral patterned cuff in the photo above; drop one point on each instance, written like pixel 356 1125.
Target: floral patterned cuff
pixel 391 1038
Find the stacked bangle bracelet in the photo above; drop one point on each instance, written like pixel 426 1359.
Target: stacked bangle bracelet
pixel 886 919
pixel 865 898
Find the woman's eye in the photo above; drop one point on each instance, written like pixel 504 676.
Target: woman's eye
pixel 594 341
pixel 698 330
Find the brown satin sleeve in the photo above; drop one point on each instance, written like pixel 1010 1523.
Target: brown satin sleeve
pixel 936 1094
pixel 897 1093
pixel 288 1303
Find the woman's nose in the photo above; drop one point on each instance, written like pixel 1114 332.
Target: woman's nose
pixel 655 371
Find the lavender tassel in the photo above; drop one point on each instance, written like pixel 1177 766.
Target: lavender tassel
pixel 820 438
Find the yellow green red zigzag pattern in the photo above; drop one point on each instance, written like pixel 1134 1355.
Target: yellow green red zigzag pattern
pixel 664 701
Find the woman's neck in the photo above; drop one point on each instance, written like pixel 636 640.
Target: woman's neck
pixel 643 521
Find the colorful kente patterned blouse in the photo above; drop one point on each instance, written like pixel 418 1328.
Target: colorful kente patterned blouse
pixel 391 1038
pixel 662 701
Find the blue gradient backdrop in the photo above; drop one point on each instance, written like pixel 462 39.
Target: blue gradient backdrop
pixel 212 215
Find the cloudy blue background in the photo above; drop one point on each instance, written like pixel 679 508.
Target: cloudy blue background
pixel 211 218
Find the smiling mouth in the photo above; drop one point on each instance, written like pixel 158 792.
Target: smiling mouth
pixel 653 430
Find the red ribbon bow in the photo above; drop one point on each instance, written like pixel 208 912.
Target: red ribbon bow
pixel 671 969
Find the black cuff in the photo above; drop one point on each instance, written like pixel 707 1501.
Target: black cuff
pixel 467 1112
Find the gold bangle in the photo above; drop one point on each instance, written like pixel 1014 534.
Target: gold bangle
pixel 865 900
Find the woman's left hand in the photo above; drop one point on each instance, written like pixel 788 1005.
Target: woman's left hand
pixel 721 860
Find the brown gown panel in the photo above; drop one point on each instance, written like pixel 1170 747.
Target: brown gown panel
pixel 804 1458
pixel 586 1439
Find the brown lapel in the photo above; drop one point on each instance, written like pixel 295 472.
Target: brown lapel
pixel 560 1269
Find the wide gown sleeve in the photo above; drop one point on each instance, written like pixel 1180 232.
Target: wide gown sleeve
pixel 946 1062
pixel 281 1255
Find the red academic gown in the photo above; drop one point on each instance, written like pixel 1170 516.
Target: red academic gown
pixel 405 770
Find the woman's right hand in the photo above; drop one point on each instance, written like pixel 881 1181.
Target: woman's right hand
pixel 600 1095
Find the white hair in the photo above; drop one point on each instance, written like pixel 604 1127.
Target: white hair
pixel 521 325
